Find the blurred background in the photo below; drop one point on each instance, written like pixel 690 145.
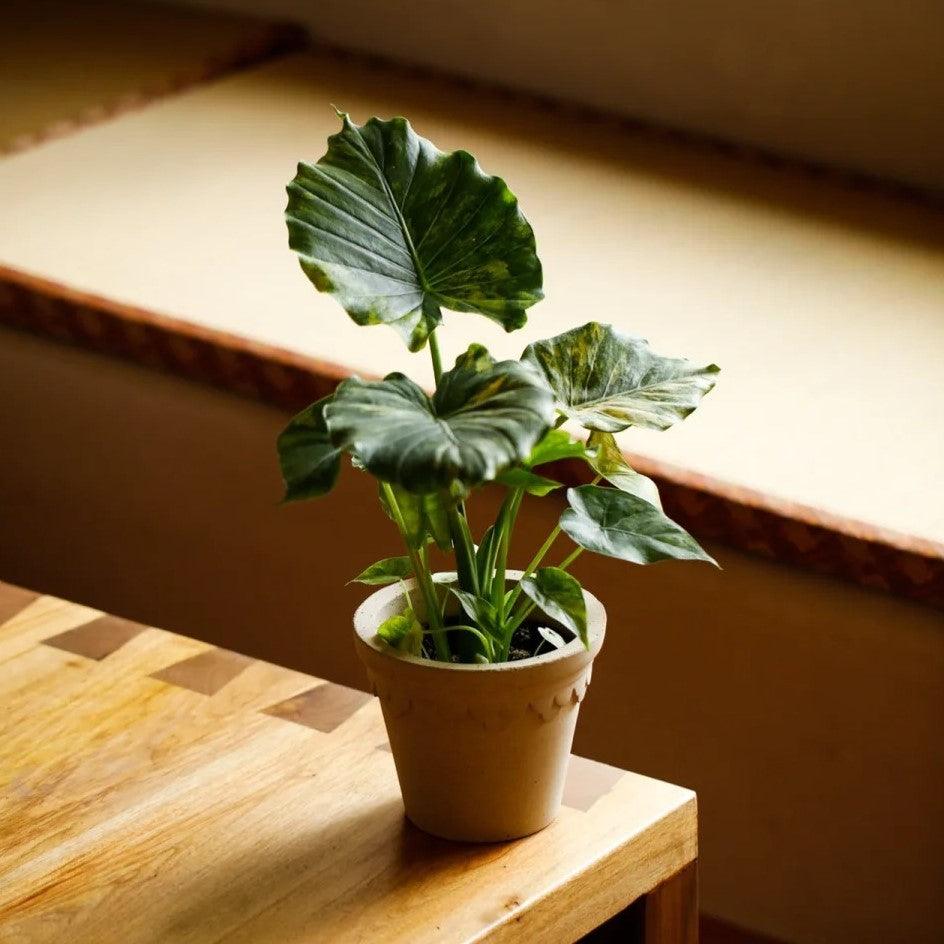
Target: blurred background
pixel 755 184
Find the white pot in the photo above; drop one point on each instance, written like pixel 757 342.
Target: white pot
pixel 481 750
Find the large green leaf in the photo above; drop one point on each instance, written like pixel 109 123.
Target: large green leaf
pixel 560 595
pixel 476 424
pixel 394 228
pixel 424 517
pixel 607 459
pixel 607 380
pixel 310 462
pixel 618 524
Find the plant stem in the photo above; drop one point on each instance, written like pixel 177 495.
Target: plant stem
pixel 545 547
pixel 533 565
pixel 504 541
pixel 488 568
pixel 570 558
pixel 423 580
pixel 462 544
pixel 435 356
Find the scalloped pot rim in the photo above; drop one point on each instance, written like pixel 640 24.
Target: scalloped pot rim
pixel 371 612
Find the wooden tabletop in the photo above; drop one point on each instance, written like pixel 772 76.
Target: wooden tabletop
pixel 155 788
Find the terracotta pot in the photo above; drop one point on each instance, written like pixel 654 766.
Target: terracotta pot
pixel 481 750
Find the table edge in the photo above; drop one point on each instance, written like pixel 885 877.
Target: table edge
pixel 575 923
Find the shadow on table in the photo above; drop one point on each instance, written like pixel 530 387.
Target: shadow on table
pixel 370 869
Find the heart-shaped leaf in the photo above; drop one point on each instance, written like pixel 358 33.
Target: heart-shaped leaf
pixel 388 570
pixel 606 458
pixel 476 424
pixel 424 517
pixel 560 595
pixel 618 524
pixel 607 380
pixel 395 229
pixel 310 462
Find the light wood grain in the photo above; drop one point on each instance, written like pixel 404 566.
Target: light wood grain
pixel 672 909
pixel 137 809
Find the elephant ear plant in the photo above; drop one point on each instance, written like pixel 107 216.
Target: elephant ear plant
pixel 398 231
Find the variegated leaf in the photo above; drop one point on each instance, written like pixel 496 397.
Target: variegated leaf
pixel 617 524
pixel 477 423
pixel 395 229
pixel 608 381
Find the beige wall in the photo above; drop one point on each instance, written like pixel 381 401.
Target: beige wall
pixel 802 292
pixel 805 712
pixel 851 83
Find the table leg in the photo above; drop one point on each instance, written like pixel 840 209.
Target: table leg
pixel 671 909
pixel 667 915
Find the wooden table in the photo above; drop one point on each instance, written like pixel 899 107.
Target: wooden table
pixel 155 788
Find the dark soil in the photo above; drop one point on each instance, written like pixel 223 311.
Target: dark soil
pixel 526 642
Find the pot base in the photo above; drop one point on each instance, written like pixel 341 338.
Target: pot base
pixel 477 836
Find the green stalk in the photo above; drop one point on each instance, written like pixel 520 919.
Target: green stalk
pixel 435 356
pixel 489 569
pixel 423 580
pixel 533 565
pixel 571 557
pixel 462 545
pixel 544 548
pixel 501 558
pixel 440 639
pixel 530 569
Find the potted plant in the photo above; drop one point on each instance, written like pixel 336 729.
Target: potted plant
pixel 480 671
